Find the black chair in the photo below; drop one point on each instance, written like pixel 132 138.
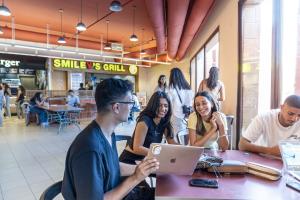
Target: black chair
pixel 52 191
pixel 230 120
pixel 123 137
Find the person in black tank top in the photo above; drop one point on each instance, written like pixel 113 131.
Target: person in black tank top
pixel 152 123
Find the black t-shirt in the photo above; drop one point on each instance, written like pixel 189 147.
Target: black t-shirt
pixel 154 133
pixel 92 165
pixel 21 98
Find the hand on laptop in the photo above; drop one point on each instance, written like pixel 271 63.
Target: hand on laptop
pixel 145 168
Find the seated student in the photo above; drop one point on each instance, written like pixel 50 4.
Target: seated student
pixel 72 99
pixel 207 127
pixel 36 101
pixel 267 129
pixel 135 108
pixel 92 169
pixel 152 123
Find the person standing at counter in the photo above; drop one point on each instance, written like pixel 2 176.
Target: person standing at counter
pixel 7 94
pixel 19 101
pixel 81 86
pixel 2 103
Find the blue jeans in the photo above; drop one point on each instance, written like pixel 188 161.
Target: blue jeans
pixel 41 113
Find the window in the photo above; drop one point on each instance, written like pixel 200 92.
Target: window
pixel 270 56
pixel 256 59
pixel 204 59
pixel 290 54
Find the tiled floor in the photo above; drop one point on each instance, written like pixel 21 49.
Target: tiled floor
pixel 32 158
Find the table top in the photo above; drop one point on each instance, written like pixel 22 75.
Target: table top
pixel 61 108
pixel 230 186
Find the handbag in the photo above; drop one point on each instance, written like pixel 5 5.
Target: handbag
pixel 186 110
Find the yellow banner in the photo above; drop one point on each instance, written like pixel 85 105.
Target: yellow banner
pixel 97 66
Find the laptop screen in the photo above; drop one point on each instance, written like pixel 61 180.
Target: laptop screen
pixel 290 153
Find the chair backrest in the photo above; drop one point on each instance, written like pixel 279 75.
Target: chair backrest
pixel 52 191
pixel 230 120
pixel 122 141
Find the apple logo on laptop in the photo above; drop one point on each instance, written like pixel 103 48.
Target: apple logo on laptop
pixel 173 160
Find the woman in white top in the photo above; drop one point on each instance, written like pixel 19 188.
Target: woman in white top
pixel 213 85
pixel 180 94
pixel 162 84
pixel 207 126
pixel 2 103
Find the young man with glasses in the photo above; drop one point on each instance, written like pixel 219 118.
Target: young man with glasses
pixel 92 168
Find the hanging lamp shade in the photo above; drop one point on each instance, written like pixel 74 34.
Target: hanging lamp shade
pixel 107 46
pixel 4 11
pixel 143 52
pixel 81 27
pixel 133 38
pixel 115 6
pixel 61 40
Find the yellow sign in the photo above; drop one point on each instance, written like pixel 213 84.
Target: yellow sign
pixel 87 65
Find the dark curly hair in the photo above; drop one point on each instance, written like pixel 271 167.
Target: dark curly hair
pixel 213 78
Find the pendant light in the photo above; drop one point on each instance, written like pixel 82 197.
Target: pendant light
pixel 133 37
pixel 115 6
pixel 143 52
pixel 4 11
pixel 61 39
pixel 81 26
pixel 107 45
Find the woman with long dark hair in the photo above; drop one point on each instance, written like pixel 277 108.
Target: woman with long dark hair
pixel 19 101
pixel 7 94
pixel 162 84
pixel 152 123
pixel 207 126
pixel 181 95
pixel 213 85
pixel 2 103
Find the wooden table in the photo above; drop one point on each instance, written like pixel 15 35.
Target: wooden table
pixel 62 114
pixel 230 186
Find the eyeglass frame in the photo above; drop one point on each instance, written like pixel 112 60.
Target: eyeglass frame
pixel 132 103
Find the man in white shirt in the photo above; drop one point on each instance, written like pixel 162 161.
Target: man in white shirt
pixel 72 99
pixel 266 130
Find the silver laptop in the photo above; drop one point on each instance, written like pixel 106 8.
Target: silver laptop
pixel 290 153
pixel 175 159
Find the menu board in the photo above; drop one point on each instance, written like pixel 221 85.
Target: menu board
pixel 76 79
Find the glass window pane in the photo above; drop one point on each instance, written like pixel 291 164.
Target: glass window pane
pixel 193 75
pixel 290 83
pixel 212 53
pixel 256 58
pixel 200 68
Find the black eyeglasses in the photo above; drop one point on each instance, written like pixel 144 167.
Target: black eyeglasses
pixel 125 102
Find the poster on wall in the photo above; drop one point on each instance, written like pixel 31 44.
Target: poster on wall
pixel 76 79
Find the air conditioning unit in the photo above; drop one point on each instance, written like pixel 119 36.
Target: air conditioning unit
pixel 116 47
